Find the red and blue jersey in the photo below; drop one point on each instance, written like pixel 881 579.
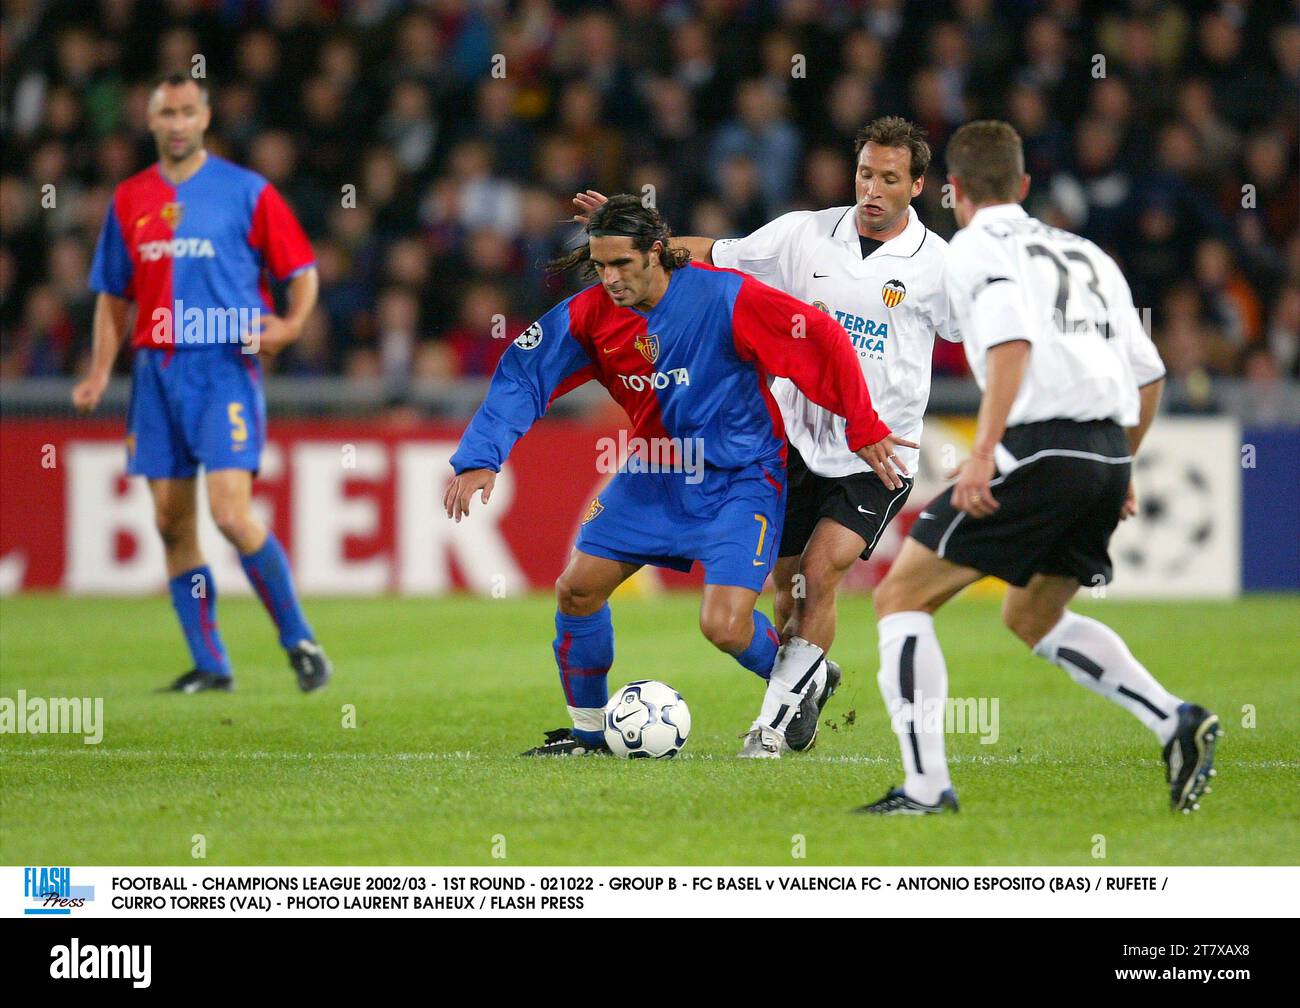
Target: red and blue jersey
pixel 201 247
pixel 695 366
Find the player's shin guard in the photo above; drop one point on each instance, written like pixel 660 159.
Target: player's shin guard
pixel 194 597
pixel 760 656
pixel 268 572
pixel 584 651
pixel 799 667
pixel 1097 657
pixel 914 684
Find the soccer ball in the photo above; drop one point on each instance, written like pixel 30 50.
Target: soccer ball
pixel 646 720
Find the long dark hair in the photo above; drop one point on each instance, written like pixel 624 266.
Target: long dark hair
pixel 626 215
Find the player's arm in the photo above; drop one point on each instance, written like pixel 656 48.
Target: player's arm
pixel 1148 371
pixel 109 332
pixel 1148 405
pixel 796 341
pixel 1006 363
pixel 998 321
pixel 540 366
pixel 277 332
pixel 288 254
pixel 701 249
pixel 111 275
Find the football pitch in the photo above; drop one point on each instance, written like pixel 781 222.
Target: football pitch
pixel 409 757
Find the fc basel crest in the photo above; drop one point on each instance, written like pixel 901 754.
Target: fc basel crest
pixel 596 508
pixel 893 293
pixel 649 346
pixel 171 214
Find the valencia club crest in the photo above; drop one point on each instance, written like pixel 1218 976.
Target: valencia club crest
pixel 893 293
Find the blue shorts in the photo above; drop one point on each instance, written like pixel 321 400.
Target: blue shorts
pixel 194 406
pixel 730 522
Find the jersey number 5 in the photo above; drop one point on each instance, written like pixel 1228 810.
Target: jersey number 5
pixel 238 427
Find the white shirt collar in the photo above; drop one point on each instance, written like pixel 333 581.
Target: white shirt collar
pixel 998 211
pixel 903 245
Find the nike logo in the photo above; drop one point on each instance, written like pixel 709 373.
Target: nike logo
pixel 820 276
pixel 924 515
pixel 760 563
pixel 621 719
pixel 609 349
pixel 864 510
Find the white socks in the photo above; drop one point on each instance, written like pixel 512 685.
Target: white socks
pixel 1097 657
pixel 799 667
pixel 914 683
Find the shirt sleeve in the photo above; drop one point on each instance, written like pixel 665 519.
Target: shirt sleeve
pixel 980 273
pixel 542 364
pixel 943 319
pixel 111 271
pixel 277 234
pixel 797 341
pixel 766 254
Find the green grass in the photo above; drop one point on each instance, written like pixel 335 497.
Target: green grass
pixel 447 691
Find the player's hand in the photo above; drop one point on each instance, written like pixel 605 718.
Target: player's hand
pixel 1130 507
pixel 463 487
pixel 585 203
pixel 273 334
pixel 880 456
pixel 972 493
pixel 87 392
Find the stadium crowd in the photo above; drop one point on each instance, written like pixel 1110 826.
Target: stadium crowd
pixel 431 149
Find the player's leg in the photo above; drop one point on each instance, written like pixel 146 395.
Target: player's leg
pixel 1091 652
pixel 789 591
pixel 157 450
pixel 913 676
pixel 830 553
pixel 584 649
pixel 230 498
pixel 1097 658
pixel 731 623
pixel 225 420
pixel 193 588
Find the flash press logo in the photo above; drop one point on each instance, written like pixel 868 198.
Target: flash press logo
pixel 51 893
pixel 76 961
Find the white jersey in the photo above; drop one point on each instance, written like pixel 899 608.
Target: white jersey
pixel 1012 277
pixel 891 304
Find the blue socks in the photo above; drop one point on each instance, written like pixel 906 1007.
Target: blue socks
pixel 268 571
pixel 760 656
pixel 194 597
pixel 584 651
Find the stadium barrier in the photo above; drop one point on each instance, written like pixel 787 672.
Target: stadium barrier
pixel 358 504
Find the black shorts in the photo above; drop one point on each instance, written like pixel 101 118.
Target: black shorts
pixel 1059 505
pixel 859 502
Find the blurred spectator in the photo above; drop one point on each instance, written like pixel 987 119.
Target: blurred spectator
pixel 431 149
pixel 760 133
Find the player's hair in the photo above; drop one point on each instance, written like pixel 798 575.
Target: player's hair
pixel 177 79
pixel 987 158
pixel 895 131
pixel 626 215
